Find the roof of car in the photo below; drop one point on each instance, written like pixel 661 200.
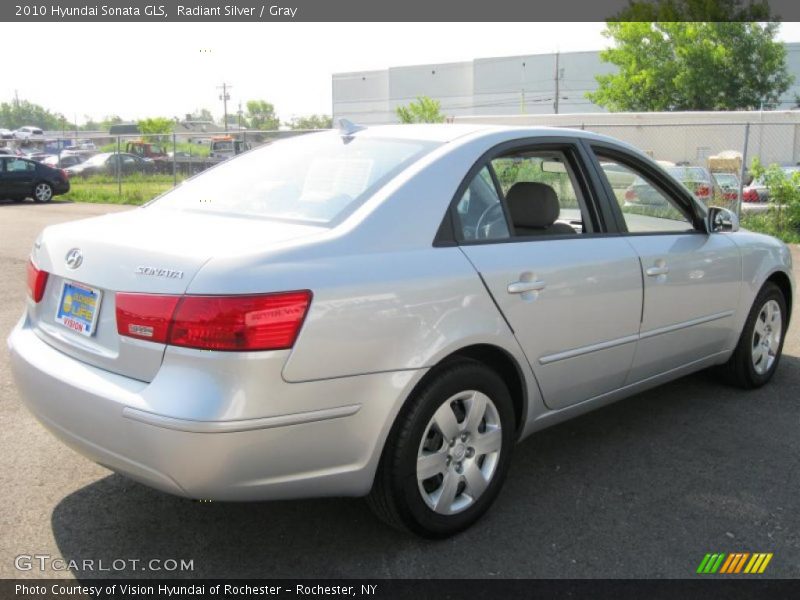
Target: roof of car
pixel 447 132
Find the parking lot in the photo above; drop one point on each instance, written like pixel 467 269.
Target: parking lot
pixel 643 488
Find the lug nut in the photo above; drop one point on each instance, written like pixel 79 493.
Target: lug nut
pixel 464 437
pixel 470 452
pixel 459 467
pixel 452 442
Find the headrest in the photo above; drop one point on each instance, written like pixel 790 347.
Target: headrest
pixel 532 204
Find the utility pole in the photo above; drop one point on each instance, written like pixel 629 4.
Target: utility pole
pixel 555 102
pixel 225 96
pixel 239 116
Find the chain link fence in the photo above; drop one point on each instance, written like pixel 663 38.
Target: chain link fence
pixel 132 169
pixel 712 159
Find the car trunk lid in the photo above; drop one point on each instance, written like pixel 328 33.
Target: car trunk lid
pixel 144 251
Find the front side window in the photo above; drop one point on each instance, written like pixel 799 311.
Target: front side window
pixel 315 178
pixel 645 207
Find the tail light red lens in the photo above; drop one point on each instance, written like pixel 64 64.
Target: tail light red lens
pixel 257 322
pixel 703 191
pixel 630 194
pixel 37 281
pixel 145 316
pixel 750 196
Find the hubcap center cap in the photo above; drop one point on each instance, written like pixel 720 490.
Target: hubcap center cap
pixel 459 452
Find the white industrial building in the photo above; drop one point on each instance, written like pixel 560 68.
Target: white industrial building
pixel 513 85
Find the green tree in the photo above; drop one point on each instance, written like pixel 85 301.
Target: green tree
pixel 666 66
pixel 18 113
pixel 311 122
pixel 421 110
pixel 155 125
pixel 261 115
pixel 695 10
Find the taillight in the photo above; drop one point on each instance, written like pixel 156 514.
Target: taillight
pixel 64 175
pixel 750 196
pixel 37 280
pixel 630 194
pixel 145 316
pixel 258 322
pixel 703 191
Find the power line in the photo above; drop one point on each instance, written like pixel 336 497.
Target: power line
pixel 225 96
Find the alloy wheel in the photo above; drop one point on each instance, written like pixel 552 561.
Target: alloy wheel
pixel 459 452
pixel 766 337
pixel 43 192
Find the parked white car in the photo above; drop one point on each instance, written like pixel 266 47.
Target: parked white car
pixel 385 311
pixel 28 132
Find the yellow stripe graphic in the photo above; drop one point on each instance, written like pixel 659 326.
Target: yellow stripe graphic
pixel 765 563
pixel 753 564
pixel 741 562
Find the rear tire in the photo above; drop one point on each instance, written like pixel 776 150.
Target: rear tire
pixel 42 192
pixel 758 352
pixel 448 452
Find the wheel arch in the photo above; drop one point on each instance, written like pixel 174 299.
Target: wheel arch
pixel 500 361
pixel 783 282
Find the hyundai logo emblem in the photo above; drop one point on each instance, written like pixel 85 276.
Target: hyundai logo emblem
pixel 74 258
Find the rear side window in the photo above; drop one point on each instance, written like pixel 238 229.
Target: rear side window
pixel 15 165
pixel 524 194
pixel 315 178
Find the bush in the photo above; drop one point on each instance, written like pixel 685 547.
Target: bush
pixel 782 219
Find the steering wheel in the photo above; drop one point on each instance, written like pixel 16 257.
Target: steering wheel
pixel 484 216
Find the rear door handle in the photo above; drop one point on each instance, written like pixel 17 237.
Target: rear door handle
pixel 660 268
pixel 521 287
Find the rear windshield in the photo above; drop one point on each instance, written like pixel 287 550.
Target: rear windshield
pixel 318 178
pixel 688 173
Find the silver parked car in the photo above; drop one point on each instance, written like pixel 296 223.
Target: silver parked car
pixel 385 312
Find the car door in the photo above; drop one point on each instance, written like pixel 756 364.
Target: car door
pixel 569 289
pixel 692 278
pixel 19 176
pixel 5 184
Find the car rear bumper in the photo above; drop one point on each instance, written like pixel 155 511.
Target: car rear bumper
pixel 195 434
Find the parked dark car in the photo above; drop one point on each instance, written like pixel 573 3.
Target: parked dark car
pixel 107 163
pixel 22 178
pixel 66 161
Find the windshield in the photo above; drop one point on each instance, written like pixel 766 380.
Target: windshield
pixel 314 177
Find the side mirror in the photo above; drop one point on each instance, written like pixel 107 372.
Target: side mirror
pixel 721 220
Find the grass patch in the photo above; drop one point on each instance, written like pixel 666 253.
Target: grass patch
pixel 769 224
pixel 104 189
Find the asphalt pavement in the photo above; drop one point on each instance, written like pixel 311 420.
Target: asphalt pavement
pixel 643 488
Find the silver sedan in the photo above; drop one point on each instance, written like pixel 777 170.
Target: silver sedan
pixel 385 312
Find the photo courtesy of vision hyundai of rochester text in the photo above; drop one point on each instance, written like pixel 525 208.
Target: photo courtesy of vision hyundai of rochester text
pixel 385 312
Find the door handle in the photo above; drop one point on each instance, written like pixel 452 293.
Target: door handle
pixel 521 287
pixel 658 269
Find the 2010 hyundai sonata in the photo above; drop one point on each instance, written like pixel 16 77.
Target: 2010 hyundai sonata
pixel 385 311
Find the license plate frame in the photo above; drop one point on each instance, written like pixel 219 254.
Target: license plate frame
pixel 75 322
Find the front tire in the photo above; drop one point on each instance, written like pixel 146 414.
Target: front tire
pixel 42 192
pixel 448 452
pixel 758 352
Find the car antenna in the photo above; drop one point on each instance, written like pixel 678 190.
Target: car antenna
pixel 348 128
